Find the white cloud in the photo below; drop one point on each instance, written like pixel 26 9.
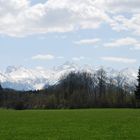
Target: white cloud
pixel 43 57
pixel 124 14
pixel 137 47
pixel 119 6
pixel 88 41
pixel 13 6
pixel 60 57
pixel 119 59
pixel 78 58
pixel 121 23
pixel 128 41
pixel 21 19
pixel 39 68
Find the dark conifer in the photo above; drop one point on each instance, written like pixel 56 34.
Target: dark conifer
pixel 0 87
pixel 137 91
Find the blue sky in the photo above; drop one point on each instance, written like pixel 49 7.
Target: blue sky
pixel 49 33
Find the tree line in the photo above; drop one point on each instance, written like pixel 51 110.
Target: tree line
pixel 76 90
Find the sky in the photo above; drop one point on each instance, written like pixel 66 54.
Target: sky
pixel 47 33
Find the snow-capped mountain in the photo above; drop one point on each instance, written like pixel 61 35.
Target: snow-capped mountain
pixel 20 78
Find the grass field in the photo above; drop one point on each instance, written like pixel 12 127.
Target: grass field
pixel 90 124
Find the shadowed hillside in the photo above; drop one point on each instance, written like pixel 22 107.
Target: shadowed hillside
pixel 74 90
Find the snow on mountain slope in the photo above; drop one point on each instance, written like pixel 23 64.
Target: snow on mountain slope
pixel 21 78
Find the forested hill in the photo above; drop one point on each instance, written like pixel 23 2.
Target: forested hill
pixel 21 78
pixel 74 90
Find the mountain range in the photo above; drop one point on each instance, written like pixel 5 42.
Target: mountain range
pixel 21 78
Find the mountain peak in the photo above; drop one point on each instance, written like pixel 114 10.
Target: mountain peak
pixel 10 69
pixel 67 65
pixel 20 78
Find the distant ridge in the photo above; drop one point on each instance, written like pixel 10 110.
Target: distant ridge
pixel 20 78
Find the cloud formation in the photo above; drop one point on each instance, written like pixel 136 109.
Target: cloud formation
pixel 88 41
pixel 79 58
pixel 43 57
pixel 120 6
pixel 122 42
pixel 20 18
pixel 122 23
pixel 119 59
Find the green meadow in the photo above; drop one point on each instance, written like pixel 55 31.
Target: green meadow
pixel 84 124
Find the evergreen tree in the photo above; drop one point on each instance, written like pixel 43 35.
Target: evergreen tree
pixel 137 91
pixel 0 87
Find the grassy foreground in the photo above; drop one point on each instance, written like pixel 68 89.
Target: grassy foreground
pixel 92 124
